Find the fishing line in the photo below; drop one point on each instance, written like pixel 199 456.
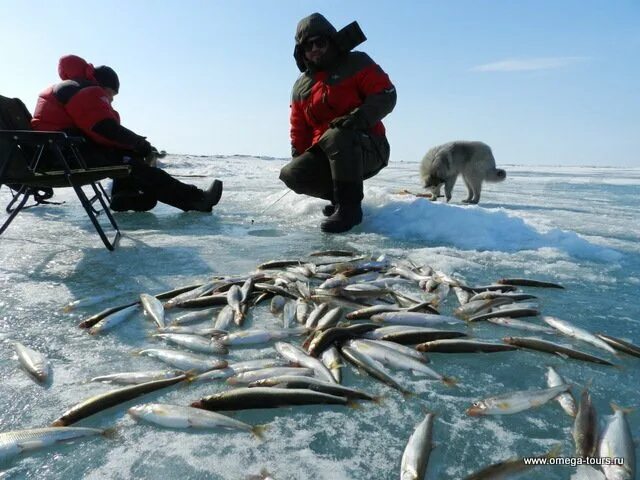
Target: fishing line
pixel 272 204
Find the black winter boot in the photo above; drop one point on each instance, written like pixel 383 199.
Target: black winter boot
pixel 210 197
pixel 328 210
pixel 348 210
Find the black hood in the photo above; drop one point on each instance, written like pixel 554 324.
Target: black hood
pixel 315 25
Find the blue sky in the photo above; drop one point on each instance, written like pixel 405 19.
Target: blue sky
pixel 543 82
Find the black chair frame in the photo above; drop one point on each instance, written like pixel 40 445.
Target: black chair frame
pixel 25 152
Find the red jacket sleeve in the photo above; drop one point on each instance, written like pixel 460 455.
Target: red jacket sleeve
pixel 378 92
pixel 301 132
pixel 89 107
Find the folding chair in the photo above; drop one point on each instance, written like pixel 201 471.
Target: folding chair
pixel 25 168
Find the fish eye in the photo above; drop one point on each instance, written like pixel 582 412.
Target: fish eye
pixel 476 404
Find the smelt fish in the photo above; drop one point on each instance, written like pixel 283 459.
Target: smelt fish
pixel 415 457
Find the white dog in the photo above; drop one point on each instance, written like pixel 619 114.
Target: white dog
pixel 473 160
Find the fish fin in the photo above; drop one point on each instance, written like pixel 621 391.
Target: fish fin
pixel 562 355
pixel 504 405
pixel 232 381
pixel 407 394
pixel 617 408
pixel 555 451
pixel 353 404
pixel 111 433
pixel 379 400
pixel 258 431
pixel 450 381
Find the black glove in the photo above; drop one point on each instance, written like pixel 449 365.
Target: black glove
pixel 352 121
pixel 143 147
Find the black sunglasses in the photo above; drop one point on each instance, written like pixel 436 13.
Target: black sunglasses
pixel 319 42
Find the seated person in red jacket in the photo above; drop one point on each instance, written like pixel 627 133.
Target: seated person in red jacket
pixel 81 103
pixel 337 136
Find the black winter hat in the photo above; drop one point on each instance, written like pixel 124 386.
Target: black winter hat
pixel 107 78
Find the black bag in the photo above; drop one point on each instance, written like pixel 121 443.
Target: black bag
pixel 349 37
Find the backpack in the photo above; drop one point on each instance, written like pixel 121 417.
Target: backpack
pixel 14 115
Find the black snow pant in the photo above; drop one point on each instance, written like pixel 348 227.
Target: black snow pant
pixel 341 156
pixel 146 185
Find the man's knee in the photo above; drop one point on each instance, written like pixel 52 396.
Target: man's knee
pixel 290 177
pixel 337 139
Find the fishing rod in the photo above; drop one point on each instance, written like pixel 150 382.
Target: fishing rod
pixel 272 204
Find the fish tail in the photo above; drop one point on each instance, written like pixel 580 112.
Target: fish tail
pixel 59 423
pixel 618 408
pixel 450 381
pixel 379 400
pixel 353 404
pixel 555 451
pixel 111 433
pixel 258 431
pixel 407 394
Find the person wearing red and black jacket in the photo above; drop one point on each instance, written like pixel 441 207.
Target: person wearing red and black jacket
pixel 337 137
pixel 81 103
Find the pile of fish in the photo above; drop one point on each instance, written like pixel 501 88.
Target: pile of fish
pixel 336 308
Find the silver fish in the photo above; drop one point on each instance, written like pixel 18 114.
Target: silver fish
pixel 184 361
pixel 196 316
pixel 617 442
pixel 234 300
pixel 520 324
pixel 277 304
pixel 371 366
pixel 224 320
pixel 135 378
pixel 196 343
pixel 331 359
pixel 17 441
pixel 316 314
pixel 153 307
pixel 261 374
pixel 35 363
pixel 579 333
pixel 259 335
pixel 515 402
pixel 297 355
pixel 415 457
pixel 288 314
pixel 116 318
pixel 176 416
pixel 414 318
pixel 566 400
pixel 585 427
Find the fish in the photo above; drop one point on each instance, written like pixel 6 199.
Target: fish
pixel 527 282
pixel 183 360
pixel 136 378
pixel 476 307
pixel 333 253
pixel 277 304
pixel 196 316
pixel 153 307
pixel 259 335
pixel 329 319
pixel 396 359
pixel 195 292
pixel 579 333
pixel 303 308
pixel 224 320
pixel 404 350
pixel 620 345
pixel 204 301
pixel 330 358
pixel 414 318
pixel 514 296
pixel 415 457
pixel 101 402
pixel 289 314
pixel 114 319
pixel 616 442
pixel 510 468
pixel 239 367
pixel 86 302
pixel 297 355
pixel 195 330
pixel 234 300
pixel 93 319
pixel 246 289
pixel 316 314
pixel 313 383
pixel 196 343
pixel 266 397
pixel 460 345
pixel 277 264
pixel 585 427
pixel 550 347
pixel 515 402
pixel 566 400
pixel 372 367
pixel 255 375
pixel 335 334
pixel 177 416
pixel 35 363
pixel 520 324
pixel 408 335
pixel 515 312
pixel 17 441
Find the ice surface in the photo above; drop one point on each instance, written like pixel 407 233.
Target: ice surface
pixel 578 226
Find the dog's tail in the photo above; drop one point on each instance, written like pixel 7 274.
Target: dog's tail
pixel 496 175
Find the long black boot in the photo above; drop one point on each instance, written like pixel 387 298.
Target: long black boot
pixel 329 210
pixel 348 211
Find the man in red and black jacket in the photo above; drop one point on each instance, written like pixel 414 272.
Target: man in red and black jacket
pixel 337 137
pixel 81 104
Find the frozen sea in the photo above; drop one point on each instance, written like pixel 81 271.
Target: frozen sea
pixel 578 226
